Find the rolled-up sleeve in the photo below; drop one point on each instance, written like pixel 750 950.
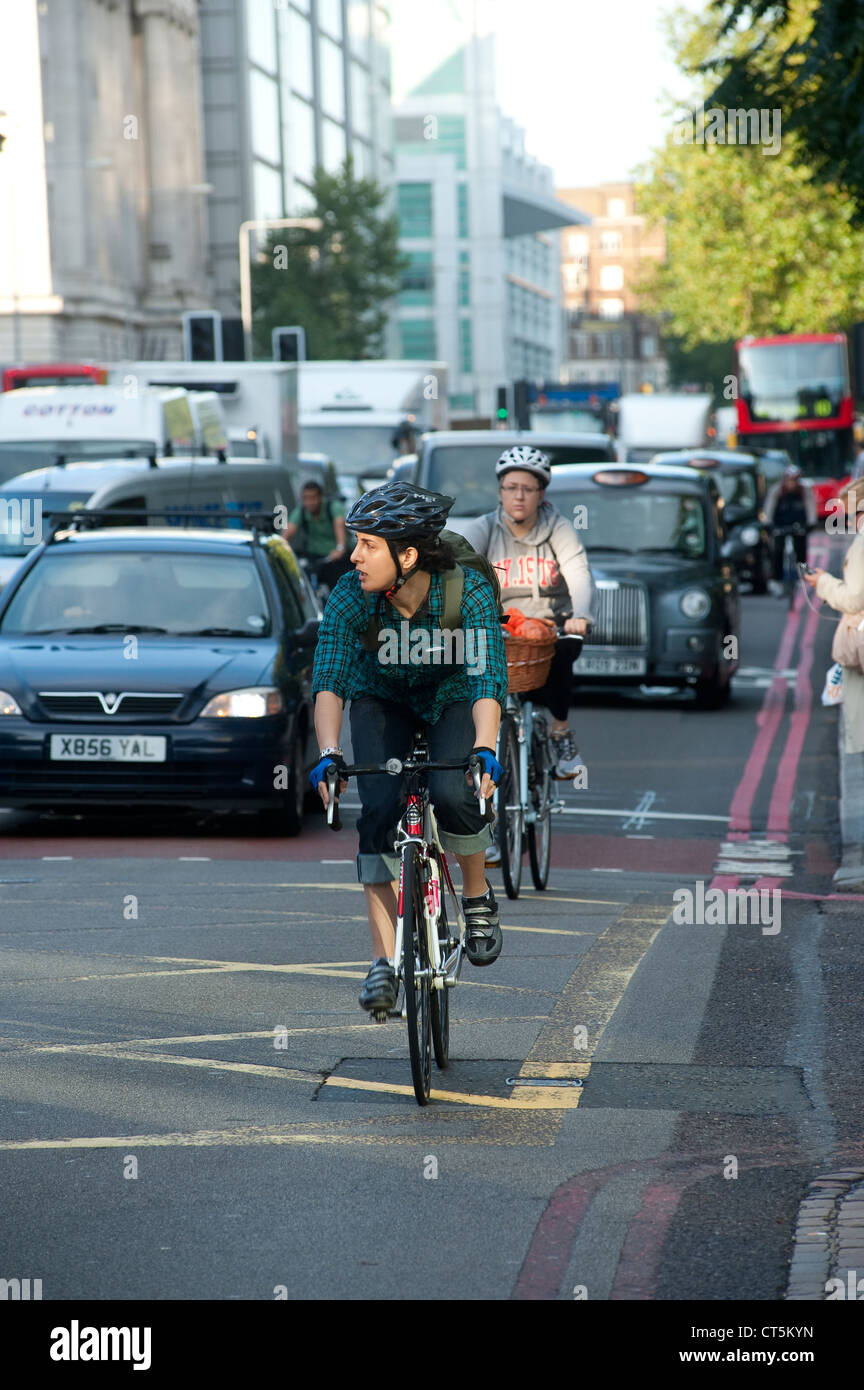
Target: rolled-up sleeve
pixel 487 678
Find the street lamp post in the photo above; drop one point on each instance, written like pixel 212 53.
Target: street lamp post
pixel 312 224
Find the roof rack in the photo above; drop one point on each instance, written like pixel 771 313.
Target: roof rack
pixel 85 518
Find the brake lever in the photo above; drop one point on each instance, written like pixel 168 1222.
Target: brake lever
pixel 474 768
pixel 334 820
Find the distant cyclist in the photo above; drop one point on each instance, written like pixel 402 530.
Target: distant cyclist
pixel 400 565
pixel 544 572
pixel 791 511
pixel 316 530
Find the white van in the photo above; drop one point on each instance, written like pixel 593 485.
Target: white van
pixel 41 426
pixel 210 428
pixel 28 502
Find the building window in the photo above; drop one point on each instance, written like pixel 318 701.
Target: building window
pixel 261 33
pixel 330 17
pixel 577 245
pixel 648 345
pixel 462 210
pixel 466 354
pixel 302 140
pixel 264 100
pixel 616 207
pixel 464 279
pixel 333 145
pixel 361 121
pixel 295 37
pixel 611 308
pixel 464 400
pixel 414 207
pixel 418 281
pixel 358 27
pixel 362 159
pixel 267 190
pixel 610 241
pixel 332 79
pixel 611 277
pixel 418 338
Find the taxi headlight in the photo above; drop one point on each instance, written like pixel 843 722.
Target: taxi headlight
pixel 750 535
pixel 8 703
pixel 695 603
pixel 253 703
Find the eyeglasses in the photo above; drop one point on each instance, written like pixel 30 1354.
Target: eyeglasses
pixel 517 487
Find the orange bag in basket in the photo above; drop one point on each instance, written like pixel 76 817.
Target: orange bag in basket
pixel 536 630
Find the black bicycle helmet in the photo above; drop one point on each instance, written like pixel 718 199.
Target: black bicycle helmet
pixel 398 510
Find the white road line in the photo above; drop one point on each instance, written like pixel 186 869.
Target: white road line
pixel 637 820
pixel 644 815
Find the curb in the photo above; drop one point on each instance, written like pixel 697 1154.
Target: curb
pixel 850 875
pixel 829 1240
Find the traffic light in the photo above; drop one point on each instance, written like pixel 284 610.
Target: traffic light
pixel 202 336
pixel 233 340
pixel 521 408
pixel 289 344
pixel 502 410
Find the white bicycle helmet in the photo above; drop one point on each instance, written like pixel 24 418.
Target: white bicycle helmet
pixel 527 460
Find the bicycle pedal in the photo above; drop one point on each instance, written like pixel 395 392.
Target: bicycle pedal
pixel 380 1015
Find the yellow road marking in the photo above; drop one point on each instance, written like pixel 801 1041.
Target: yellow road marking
pixel 523 1098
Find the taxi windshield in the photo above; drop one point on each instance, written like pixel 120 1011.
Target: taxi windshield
pixel 635 520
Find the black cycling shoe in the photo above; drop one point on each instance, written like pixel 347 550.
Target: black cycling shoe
pixel 379 988
pixel 484 938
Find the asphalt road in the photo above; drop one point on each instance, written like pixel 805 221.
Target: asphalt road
pixel 192 1105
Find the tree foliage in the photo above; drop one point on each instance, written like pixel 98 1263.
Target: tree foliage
pixel 805 57
pixel 754 243
pixel 335 282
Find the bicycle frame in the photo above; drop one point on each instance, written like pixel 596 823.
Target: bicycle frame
pixel 527 723
pixel 445 970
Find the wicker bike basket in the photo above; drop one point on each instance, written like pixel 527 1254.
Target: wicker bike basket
pixel 528 662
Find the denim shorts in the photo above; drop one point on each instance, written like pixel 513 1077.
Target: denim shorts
pixel 380 730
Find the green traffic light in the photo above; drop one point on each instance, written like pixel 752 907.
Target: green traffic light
pixel 502 413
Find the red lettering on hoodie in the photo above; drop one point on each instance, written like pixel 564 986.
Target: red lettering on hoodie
pixel 503 567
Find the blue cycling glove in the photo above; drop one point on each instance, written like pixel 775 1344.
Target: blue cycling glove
pixel 489 763
pixel 319 771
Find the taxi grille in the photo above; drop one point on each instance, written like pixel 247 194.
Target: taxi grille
pixel 620 617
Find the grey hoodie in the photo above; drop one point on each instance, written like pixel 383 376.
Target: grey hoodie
pixel 544 573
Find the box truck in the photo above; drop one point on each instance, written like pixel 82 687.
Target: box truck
pixel 361 414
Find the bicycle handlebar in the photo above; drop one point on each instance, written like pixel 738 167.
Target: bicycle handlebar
pixel 394 767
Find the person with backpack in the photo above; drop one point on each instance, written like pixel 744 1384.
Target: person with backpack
pixel 316 530
pixel 543 571
pixel 387 645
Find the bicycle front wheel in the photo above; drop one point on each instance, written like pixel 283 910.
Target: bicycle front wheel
pixel 540 830
pixel 509 826
pixel 418 976
pixel 440 1001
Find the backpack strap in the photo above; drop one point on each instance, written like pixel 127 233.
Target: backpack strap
pixel 453 587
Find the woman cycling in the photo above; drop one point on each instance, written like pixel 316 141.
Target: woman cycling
pixel 399 562
pixel 543 571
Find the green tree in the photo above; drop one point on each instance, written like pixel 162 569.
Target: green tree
pixel 754 245
pixel 806 58
pixel 334 282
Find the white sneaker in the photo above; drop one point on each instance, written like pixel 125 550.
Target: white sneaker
pixel 568 759
pixel 493 855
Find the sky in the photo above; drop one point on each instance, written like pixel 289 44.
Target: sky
pixel 583 77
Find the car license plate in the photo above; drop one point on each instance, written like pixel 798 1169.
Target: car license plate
pixel 108 748
pixel 589 665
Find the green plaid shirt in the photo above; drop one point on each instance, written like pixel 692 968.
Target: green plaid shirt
pixel 344 667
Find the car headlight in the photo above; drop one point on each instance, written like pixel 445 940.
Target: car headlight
pixel 750 535
pixel 252 703
pixel 695 603
pixel 8 703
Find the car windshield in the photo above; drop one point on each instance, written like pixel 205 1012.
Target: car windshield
pixel 24 518
pixel 22 456
pixel 737 487
pixel 354 449
pixel 467 471
pixel 129 590
pixel 635 520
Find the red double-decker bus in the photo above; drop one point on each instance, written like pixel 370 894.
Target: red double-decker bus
pixel 794 394
pixel 54 374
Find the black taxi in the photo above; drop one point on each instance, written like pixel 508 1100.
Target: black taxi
pixel 667 606
pixel 743 486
